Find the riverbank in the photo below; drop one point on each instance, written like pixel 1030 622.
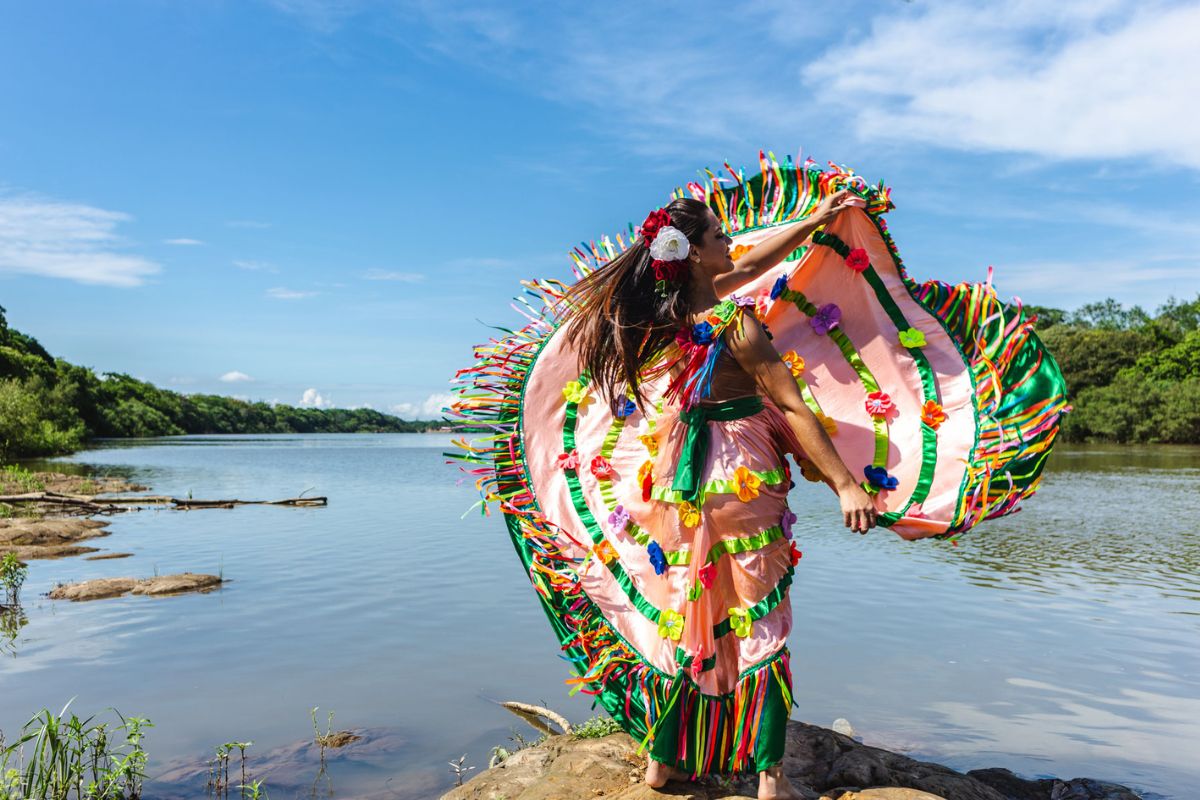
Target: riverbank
pixel 822 764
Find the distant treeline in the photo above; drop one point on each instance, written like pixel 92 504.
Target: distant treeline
pixel 1131 376
pixel 49 406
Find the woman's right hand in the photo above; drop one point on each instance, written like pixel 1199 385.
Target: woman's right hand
pixel 858 509
pixel 835 204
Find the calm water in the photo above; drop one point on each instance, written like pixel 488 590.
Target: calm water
pixel 1063 640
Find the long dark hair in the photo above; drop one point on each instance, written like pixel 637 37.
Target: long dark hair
pixel 618 324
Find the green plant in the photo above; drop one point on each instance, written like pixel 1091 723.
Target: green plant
pixel 88 487
pixel 597 727
pixel 21 478
pixel 12 577
pixel 69 757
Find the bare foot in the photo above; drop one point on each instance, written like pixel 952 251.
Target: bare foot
pixel 658 773
pixel 774 785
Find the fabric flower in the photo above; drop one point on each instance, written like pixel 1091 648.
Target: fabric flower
pixel 618 520
pixel 646 479
pixel 575 392
pixel 746 483
pixel 795 554
pixel 670 624
pixel 654 222
pixel 879 478
pixel 650 443
pixel 601 467
pixel 605 551
pixel 828 423
pixel 741 300
pixel 567 460
pixel 658 559
pixel 789 519
pixel 810 472
pixel 740 622
pixel 669 271
pixel 858 260
pixel 740 250
pixel 794 362
pixel 761 303
pixel 689 515
pixel 826 319
pixel 702 333
pixel 625 408
pixel 669 245
pixel 932 414
pixel 780 284
pixel 878 404
pixel 912 338
pixel 707 575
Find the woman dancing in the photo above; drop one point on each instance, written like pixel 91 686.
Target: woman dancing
pixel 736 412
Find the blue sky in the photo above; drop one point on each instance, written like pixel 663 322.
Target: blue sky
pixel 323 201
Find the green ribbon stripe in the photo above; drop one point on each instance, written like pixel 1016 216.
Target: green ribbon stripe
pixel 850 353
pixel 717 486
pixel 741 544
pixel 928 383
pixel 807 396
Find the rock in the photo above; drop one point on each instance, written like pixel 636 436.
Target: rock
pixel 50 537
pixel 822 764
pixel 843 726
pixel 96 589
pixel 107 556
pixel 101 588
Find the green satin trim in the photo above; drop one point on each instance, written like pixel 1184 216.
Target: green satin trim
pixel 772 477
pixel 762 607
pixel 741 544
pixel 694 452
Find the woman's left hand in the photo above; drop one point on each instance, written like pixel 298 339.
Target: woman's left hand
pixel 835 204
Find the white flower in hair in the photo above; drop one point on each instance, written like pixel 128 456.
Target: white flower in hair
pixel 669 245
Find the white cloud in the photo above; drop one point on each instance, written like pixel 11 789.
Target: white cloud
pixel 313 399
pixel 386 275
pixel 73 241
pixel 429 408
pixel 254 266
pixel 1076 79
pixel 183 242
pixel 281 293
pixel 235 377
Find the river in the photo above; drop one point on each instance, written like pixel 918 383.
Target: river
pixel 1062 640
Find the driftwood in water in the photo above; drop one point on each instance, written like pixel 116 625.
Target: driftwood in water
pixel 109 505
pixel 536 716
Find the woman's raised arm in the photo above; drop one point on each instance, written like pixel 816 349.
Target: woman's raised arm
pixel 775 249
pixel 758 357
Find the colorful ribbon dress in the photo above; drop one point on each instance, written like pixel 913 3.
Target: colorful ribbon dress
pixel 658 540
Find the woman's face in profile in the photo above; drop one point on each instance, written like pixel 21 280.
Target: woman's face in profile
pixel 711 256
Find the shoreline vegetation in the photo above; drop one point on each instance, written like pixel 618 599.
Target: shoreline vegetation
pixel 49 407
pixel 1132 377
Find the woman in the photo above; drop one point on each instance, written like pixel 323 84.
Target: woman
pixel 720 470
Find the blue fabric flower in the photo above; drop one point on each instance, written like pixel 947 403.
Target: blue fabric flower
pixel 779 286
pixel 658 559
pixel 625 408
pixel 879 478
pixel 702 333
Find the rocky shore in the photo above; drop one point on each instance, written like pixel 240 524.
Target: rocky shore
pixel 822 764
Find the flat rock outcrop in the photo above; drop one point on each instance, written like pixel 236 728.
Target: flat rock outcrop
pixel 101 588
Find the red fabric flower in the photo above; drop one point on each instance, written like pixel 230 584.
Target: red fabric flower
pixel 796 554
pixel 567 460
pixel 669 271
pixel 707 574
pixel 601 468
pixel 878 404
pixel 858 260
pixel 656 220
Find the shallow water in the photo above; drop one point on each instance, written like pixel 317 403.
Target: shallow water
pixel 1059 641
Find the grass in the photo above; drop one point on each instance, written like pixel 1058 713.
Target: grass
pixel 20 478
pixel 597 727
pixel 12 578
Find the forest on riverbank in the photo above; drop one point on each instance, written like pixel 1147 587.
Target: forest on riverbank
pixel 1132 377
pixel 49 406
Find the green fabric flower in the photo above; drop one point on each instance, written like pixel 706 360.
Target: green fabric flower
pixel 670 624
pixel 740 622
pixel 912 338
pixel 575 392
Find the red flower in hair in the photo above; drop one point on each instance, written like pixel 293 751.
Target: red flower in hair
pixel 669 271
pixel 657 219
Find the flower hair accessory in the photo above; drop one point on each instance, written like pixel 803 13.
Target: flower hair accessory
pixel 668 249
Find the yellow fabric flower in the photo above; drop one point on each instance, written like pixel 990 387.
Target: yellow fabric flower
pixel 828 423
pixel 794 362
pixel 740 250
pixel 689 515
pixel 575 392
pixel 740 622
pixel 746 483
pixel 650 443
pixel 809 470
pixel 670 624
pixel 912 338
pixel 605 551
